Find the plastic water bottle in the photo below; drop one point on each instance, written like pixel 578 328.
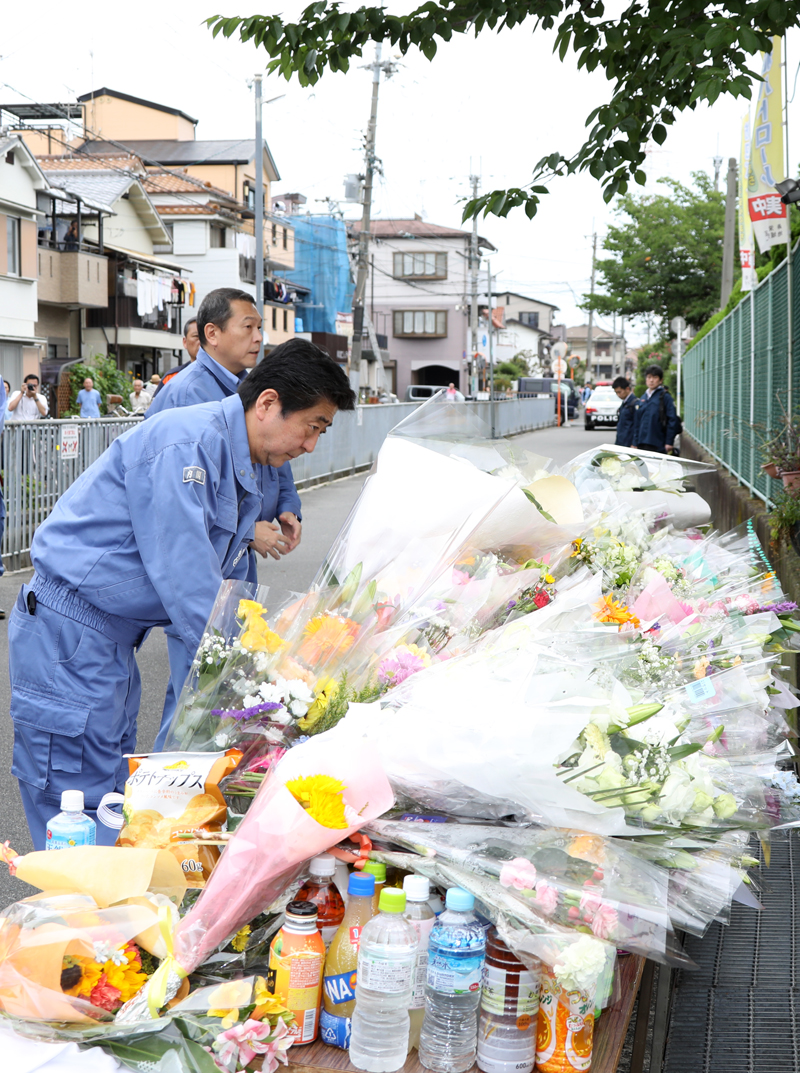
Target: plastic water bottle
pixel 456 951
pixel 419 913
pixel 509 1011
pixel 71 827
pixel 387 957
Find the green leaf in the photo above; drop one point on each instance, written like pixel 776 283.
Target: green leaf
pixel 680 752
pixel 529 495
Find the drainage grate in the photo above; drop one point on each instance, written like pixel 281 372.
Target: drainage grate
pixel 736 1013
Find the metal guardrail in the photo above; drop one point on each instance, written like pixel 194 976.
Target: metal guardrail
pixel 41 459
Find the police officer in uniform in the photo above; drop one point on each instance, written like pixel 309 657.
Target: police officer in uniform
pixel 112 559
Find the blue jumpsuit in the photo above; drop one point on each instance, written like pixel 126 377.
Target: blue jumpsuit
pixel 205 380
pixel 110 564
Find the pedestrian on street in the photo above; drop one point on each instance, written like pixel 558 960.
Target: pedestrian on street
pixel 191 344
pixel 89 399
pixel 626 415
pixel 139 398
pixel 144 538
pixel 229 331
pixel 152 386
pixel 3 403
pixel 657 422
pixel 27 404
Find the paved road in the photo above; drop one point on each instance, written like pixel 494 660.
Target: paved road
pixel 325 509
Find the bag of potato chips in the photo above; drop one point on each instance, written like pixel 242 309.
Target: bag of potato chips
pixel 169 795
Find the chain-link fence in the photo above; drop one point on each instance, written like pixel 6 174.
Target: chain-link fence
pixel 736 379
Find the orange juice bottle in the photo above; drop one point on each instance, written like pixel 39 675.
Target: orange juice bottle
pixel 377 869
pixel 296 962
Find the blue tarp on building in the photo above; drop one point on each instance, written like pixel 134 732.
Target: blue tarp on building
pixel 321 264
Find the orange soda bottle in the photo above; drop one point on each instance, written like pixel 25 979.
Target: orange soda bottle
pixel 322 891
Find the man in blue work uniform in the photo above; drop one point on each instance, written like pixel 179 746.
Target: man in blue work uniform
pixel 626 414
pixel 228 326
pixel 657 422
pixel 111 563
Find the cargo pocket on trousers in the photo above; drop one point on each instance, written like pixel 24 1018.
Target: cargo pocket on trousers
pixel 48 734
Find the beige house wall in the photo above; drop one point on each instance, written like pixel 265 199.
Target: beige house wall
pixel 278 334
pixel 125 229
pixel 112 118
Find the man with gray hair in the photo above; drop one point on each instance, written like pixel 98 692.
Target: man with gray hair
pixel 140 399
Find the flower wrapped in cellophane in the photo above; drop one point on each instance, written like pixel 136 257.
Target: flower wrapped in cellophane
pixel 311 800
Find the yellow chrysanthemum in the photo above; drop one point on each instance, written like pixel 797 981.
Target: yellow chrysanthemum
pixel 324 690
pixel 239 941
pixel 321 797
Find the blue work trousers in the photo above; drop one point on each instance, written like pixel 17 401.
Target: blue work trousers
pixel 75 693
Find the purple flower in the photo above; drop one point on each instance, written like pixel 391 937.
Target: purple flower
pixel 784 608
pixel 241 714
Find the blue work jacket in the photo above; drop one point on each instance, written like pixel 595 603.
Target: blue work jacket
pixel 150 530
pixel 626 422
pixel 649 427
pixel 205 380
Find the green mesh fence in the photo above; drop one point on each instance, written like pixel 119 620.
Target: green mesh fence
pixel 736 382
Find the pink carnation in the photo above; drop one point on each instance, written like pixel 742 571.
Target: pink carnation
pixel 605 921
pixel 519 874
pixel 591 901
pixel 546 897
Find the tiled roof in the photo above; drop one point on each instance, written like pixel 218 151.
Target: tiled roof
pixel 415 228
pixel 102 188
pixel 186 210
pixel 80 162
pixel 169 183
pixel 581 331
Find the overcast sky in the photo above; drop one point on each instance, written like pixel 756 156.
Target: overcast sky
pixel 494 104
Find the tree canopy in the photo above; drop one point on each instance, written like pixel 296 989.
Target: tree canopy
pixel 666 254
pixel 662 57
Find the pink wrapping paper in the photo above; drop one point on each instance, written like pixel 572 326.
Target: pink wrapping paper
pixel 272 843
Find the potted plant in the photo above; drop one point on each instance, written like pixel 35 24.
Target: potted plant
pixel 782 455
pixel 784 519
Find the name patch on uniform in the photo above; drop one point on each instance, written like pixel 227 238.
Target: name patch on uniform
pixel 194 473
pixel 239 555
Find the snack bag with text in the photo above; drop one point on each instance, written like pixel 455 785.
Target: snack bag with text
pixel 171 799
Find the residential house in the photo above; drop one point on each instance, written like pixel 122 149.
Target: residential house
pixel 604 362
pixel 148 293
pixel 21 181
pixel 163 139
pixel 417 296
pixel 527 325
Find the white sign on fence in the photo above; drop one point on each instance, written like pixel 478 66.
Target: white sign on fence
pixel 69 441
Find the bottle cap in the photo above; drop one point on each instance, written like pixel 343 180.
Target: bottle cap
pixel 361 884
pixel 72 801
pixel 324 865
pixel 417 888
pixel 374 868
pixel 301 909
pixel 460 900
pixel 392 900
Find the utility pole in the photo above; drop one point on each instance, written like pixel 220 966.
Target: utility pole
pixel 491 350
pixel 259 221
pixel 613 344
pixel 622 369
pixel 474 265
pixel 726 285
pixel 362 257
pixel 590 340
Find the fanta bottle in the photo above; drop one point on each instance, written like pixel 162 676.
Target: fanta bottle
pixel 339 981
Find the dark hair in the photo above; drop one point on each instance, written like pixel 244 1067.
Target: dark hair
pixel 621 382
pixel 216 308
pixel 31 376
pixel 188 325
pixel 654 370
pixel 302 374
